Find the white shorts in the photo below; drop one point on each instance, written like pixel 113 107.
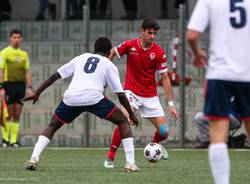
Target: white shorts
pixel 147 107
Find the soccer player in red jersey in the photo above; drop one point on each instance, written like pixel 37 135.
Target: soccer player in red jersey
pixel 144 59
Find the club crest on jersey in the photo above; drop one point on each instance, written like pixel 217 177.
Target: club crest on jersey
pixel 152 55
pixel 133 49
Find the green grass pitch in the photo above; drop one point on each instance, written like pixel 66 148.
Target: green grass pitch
pixel 76 165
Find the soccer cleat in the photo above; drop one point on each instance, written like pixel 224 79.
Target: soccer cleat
pixel 5 143
pixel 15 145
pixel 109 164
pixel 31 164
pixel 164 154
pixel 131 168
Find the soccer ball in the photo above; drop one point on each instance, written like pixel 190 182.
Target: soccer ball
pixel 153 152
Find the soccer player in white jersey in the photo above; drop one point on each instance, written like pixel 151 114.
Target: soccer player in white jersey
pixel 227 72
pixel 91 72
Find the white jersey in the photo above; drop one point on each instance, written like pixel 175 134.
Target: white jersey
pixel 91 72
pixel 229 21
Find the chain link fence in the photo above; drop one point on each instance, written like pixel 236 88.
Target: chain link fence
pixel 51 44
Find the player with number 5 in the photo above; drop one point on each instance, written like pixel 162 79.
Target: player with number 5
pixel 227 72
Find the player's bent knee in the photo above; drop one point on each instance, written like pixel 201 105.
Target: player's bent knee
pixel 125 130
pixel 163 130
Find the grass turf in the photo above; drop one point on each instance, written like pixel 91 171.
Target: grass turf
pixel 64 166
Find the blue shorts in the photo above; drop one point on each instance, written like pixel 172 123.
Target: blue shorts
pixel 227 97
pixel 66 114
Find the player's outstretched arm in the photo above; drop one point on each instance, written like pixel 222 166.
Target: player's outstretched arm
pixel 42 87
pixel 124 101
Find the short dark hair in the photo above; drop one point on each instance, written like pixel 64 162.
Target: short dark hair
pixel 149 23
pixel 16 31
pixel 103 45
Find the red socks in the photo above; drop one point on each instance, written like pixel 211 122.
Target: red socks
pixel 116 141
pixel 157 137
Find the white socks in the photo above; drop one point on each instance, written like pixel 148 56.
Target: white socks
pixel 219 163
pixel 41 143
pixel 128 145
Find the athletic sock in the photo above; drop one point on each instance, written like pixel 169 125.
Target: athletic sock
pixel 219 163
pixel 157 137
pixel 128 144
pixel 14 130
pixel 41 143
pixel 115 144
pixel 5 132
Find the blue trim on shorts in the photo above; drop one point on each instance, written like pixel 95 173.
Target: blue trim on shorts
pixel 66 114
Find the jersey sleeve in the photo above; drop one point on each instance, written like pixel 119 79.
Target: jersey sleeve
pixel 113 79
pixel 122 49
pixel 27 62
pixel 67 70
pixel 162 65
pixel 200 17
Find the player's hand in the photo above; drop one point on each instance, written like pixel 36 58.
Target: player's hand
pixel 33 97
pixel 134 120
pixel 30 92
pixel 173 112
pixel 200 60
pixel 2 94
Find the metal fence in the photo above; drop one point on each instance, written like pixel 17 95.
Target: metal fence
pixel 51 44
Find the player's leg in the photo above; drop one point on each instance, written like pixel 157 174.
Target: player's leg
pixel 120 119
pixel 106 109
pixel 115 144
pixel 116 138
pixel 10 100
pixel 161 133
pixel 5 135
pixel 17 93
pixel 161 129
pixel 42 142
pixel 15 124
pixel 6 129
pixel 218 152
pixel 153 111
pixel 218 95
pixel 63 114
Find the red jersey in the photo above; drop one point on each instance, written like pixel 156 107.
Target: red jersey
pixel 141 66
